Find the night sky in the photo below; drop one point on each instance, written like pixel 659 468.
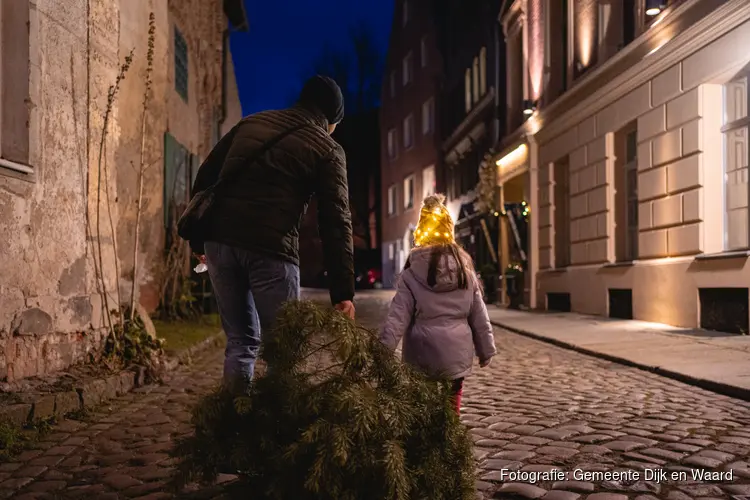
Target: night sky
pixel 285 38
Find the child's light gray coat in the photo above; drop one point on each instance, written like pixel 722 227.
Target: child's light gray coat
pixel 443 326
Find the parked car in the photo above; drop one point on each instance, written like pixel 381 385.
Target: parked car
pixel 367 270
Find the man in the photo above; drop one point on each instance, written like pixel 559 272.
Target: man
pixel 252 246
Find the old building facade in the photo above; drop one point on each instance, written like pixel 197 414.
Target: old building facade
pixel 631 140
pixel 471 107
pixel 408 128
pixel 66 193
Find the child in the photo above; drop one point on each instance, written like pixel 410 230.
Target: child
pixel 438 307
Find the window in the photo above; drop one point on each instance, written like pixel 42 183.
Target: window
pixel 467 90
pixel 631 190
pixel 405 13
pixel 409 192
pixel 408 69
pixel 626 194
pixel 428 116
pixel 428 181
pixel 561 200
pixel 475 87
pixel 16 113
pixel 392 144
pixel 736 164
pixel 393 84
pixel 423 51
pixel 408 131
pixel 628 21
pixel 483 71
pixel 178 171
pixel 180 64
pixel 392 199
pixel 391 251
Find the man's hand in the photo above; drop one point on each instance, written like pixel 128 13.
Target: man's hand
pixel 346 307
pixel 485 363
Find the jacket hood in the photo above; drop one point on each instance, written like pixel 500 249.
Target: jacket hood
pixel 447 269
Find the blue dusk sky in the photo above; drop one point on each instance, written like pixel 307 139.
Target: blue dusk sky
pixel 286 37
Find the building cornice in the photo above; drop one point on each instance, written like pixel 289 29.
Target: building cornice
pixel 460 130
pixel 591 94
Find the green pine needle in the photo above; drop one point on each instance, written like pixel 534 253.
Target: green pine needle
pixel 337 417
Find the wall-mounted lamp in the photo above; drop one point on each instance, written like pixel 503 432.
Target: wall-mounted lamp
pixel 654 7
pixel 529 107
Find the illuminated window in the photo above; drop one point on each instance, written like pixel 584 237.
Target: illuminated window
pixel 407 69
pixel 736 164
pixel 475 79
pixel 428 181
pixel 483 71
pixel 392 199
pixel 392 151
pixel 405 13
pixel 467 89
pixel 409 192
pixel 423 51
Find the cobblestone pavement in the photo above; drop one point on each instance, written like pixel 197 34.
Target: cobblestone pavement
pixel 537 408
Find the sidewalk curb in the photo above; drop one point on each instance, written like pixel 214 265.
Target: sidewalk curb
pixel 93 392
pixel 709 385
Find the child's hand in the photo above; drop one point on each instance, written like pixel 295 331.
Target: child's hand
pixel 485 363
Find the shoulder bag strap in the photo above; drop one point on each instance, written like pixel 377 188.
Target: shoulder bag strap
pixel 230 174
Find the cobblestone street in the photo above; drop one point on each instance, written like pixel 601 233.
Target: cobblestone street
pixel 536 409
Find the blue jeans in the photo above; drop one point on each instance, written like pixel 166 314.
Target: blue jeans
pixel 249 289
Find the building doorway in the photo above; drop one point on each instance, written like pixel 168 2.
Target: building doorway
pixel 514 240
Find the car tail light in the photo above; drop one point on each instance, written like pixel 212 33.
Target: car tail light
pixel 371 276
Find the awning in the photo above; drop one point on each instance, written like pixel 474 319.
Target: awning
pixel 512 162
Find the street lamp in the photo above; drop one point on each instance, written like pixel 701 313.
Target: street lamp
pixel 654 7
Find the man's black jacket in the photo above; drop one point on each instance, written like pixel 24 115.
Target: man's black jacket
pixel 261 209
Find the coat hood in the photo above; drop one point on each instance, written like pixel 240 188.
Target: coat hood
pixel 447 268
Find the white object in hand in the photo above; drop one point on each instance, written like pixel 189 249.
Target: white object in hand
pixel 201 268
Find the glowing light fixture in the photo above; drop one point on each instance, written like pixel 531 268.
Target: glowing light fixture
pixel 529 107
pixel 514 159
pixel 654 7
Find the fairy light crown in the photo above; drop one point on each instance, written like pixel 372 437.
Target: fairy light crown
pixel 435 225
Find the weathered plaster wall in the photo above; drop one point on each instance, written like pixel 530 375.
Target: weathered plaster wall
pixel 49 308
pixel 51 312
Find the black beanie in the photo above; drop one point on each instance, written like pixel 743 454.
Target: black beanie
pixel 324 93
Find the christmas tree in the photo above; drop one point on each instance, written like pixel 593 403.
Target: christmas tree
pixel 334 416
